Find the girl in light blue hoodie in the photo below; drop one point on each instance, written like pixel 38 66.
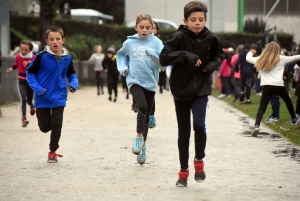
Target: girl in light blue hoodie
pixel 138 60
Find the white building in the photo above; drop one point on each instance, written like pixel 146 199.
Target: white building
pixel 223 14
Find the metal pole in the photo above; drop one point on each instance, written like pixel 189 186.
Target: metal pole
pixel 209 17
pixel 271 10
pixel 240 15
pixel 4 21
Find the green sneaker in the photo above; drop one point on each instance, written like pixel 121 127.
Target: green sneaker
pixel 137 145
pixel 142 157
pixel 152 122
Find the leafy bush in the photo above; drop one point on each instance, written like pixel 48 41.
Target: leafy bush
pixel 257 25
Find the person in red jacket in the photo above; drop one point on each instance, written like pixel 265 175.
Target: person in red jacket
pixel 26 93
pixel 225 73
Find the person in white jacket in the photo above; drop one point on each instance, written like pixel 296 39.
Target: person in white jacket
pixel 270 64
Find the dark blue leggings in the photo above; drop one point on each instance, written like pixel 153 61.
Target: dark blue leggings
pixel 183 113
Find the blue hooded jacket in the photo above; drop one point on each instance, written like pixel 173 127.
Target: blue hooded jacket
pixel 141 58
pixel 46 72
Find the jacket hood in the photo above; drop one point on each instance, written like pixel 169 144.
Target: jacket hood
pixel 184 28
pixel 137 36
pixel 64 50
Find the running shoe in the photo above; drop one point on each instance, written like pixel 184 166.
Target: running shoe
pixel 142 157
pixel 137 145
pixel 183 177
pixel 152 122
pixel 255 131
pixel 52 157
pixel 199 171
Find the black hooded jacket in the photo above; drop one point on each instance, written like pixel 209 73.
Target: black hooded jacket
pixel 182 50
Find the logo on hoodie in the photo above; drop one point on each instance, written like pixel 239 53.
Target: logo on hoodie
pixel 139 53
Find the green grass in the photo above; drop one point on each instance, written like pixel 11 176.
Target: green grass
pixel 293 132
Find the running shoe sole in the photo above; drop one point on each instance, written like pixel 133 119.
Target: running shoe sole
pixel 255 132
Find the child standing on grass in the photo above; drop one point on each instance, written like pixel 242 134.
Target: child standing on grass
pixel 270 64
pixel 110 67
pixel 47 75
pixel 138 61
pixel 24 58
pixel 97 57
pixel 195 54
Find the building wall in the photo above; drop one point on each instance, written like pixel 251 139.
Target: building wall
pixel 284 23
pixel 164 9
pixel 222 15
pixel 218 12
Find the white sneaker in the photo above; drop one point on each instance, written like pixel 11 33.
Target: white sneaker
pixel 221 95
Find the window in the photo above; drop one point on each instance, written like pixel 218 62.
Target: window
pixel 254 6
pixel 284 7
pixel 280 8
pixel 294 7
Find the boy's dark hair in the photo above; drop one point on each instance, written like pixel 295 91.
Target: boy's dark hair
pixel 27 42
pixel 157 26
pixel 194 6
pixel 55 29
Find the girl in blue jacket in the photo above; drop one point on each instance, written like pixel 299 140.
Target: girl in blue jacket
pixel 138 60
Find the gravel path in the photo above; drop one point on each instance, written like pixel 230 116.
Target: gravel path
pixel 98 164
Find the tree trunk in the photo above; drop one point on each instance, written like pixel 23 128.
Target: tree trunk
pixel 46 19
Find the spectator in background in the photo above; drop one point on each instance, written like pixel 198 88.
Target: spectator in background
pixel 225 73
pixel 247 72
pixel 67 10
pixel 236 75
pixel 34 9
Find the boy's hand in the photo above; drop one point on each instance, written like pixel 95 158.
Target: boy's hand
pixel 71 89
pixel 126 72
pixel 9 70
pixel 253 51
pixel 43 92
pixel 198 62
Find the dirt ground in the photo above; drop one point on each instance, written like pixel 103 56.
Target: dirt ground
pixel 97 162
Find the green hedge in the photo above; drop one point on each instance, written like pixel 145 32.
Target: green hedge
pixel 81 37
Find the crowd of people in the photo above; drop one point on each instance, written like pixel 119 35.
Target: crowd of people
pixel 239 74
pixel 192 55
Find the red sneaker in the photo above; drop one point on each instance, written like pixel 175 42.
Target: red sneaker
pixel 52 157
pixel 32 111
pixel 199 171
pixel 183 177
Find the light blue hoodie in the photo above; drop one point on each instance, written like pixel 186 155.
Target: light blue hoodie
pixel 141 58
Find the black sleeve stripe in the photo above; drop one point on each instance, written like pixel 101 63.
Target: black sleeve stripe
pixel 36 64
pixel 70 70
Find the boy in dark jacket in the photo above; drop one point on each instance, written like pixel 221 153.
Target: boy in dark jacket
pixel 47 75
pixel 109 64
pixel 195 54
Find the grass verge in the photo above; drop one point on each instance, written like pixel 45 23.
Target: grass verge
pixel 291 133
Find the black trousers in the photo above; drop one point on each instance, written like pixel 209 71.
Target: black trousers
pixel 267 92
pixel 51 119
pixel 112 84
pixel 144 101
pixel 26 96
pixel 246 82
pixel 99 80
pixel 183 113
